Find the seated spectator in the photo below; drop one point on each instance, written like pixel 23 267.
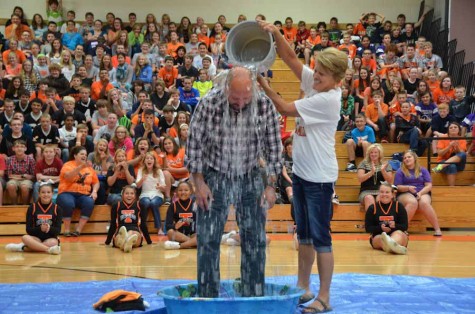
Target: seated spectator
pixel 85 104
pixel 366 44
pixel 467 124
pixel 119 106
pixel 45 134
pixel 362 136
pixel 181 220
pixel 119 175
pixel 410 60
pixel 433 81
pixel 451 154
pixel 120 141
pixel 100 88
pixel 122 74
pixel 42 234
pixel 100 160
pixel 346 44
pixel 387 223
pixel 359 86
pixel 139 115
pixel 168 73
pixel 148 129
pixel 81 139
pixel 425 111
pixel 375 85
pixel 389 61
pixel 445 92
pixel 376 114
pixel 431 61
pixel 3 167
pixel 71 38
pixel 67 132
pixel 128 225
pixel 189 95
pixel 108 130
pixel 460 106
pixel 187 69
pixel 8 140
pixel 395 110
pixel 143 71
pixel 30 76
pixel 285 178
pixel 69 104
pixel 13 48
pixel 182 117
pixel 408 130
pixel 26 129
pixel 440 123
pixel 75 86
pixel 151 180
pixel 57 80
pixel 175 157
pixel 203 84
pixel 414 186
pixel 410 84
pixel 15 89
pixel 99 117
pixel 47 170
pixel 7 115
pixel 182 137
pixel 21 173
pixel 78 186
pixel 371 172
pixel 175 102
pixel 471 148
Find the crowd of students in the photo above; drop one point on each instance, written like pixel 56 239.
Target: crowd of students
pixel 105 106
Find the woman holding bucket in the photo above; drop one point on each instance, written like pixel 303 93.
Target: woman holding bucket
pixel 315 167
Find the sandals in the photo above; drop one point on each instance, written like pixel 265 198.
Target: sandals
pixel 312 309
pixel 76 234
pixel 306 297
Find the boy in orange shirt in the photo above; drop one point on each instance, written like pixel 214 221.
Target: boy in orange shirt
pixel 348 45
pixel 395 110
pixel 290 32
pixel 168 73
pixel 376 114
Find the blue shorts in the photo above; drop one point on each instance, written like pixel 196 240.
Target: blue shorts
pixel 313 213
pixel 454 168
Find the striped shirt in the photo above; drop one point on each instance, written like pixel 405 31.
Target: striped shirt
pixel 19 167
pixel 232 142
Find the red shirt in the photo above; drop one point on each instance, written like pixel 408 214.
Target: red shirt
pixel 49 170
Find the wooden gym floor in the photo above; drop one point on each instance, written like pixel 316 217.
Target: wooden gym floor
pixel 87 258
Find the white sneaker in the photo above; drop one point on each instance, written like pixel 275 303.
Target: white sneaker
pixel 232 242
pixel 172 245
pixel 350 167
pixel 54 250
pixel 15 247
pixel 227 236
pixel 385 242
pixel 130 242
pixel 121 237
pixel 335 199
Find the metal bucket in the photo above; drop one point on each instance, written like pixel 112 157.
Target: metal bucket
pixel 247 44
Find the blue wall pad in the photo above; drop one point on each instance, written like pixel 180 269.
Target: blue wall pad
pixel 351 293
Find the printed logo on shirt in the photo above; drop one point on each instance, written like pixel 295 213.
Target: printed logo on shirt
pixel 44 219
pixel 127 215
pixel 386 218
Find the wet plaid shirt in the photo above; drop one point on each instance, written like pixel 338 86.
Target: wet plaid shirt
pixel 232 142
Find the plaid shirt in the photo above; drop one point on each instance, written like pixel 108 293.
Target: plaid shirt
pixel 19 167
pixel 231 142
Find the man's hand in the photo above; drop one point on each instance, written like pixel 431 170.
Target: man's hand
pixel 204 197
pixel 268 197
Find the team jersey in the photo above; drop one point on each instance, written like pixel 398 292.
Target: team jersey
pixel 181 211
pixel 38 214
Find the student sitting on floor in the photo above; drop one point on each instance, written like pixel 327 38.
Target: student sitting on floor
pixel 43 225
pixel 128 225
pixel 386 220
pixel 181 220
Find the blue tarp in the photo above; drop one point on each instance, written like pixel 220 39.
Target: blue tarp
pixel 351 293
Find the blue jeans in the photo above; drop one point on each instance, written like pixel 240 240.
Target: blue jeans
pixel 313 212
pixel 154 204
pixel 457 167
pixel 412 137
pixel 69 201
pixel 245 193
pixel 113 199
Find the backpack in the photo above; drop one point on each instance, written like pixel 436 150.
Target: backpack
pixel 396 160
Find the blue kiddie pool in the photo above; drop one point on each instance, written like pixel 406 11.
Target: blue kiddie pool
pixel 183 299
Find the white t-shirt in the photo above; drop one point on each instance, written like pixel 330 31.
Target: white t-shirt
pixel 149 186
pixel 314 140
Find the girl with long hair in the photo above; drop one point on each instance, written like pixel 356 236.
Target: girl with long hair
pixel 120 141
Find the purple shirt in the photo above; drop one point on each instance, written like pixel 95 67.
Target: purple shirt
pixel 419 183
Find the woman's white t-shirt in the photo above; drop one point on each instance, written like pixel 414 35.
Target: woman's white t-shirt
pixel 314 139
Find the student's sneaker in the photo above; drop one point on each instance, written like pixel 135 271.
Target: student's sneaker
pixel 232 242
pixel 385 242
pixel 350 167
pixel 171 245
pixel 335 199
pixel 438 169
pixel 121 237
pixel 228 235
pixel 54 250
pixel 167 201
pixel 15 247
pixel 398 249
pixel 130 242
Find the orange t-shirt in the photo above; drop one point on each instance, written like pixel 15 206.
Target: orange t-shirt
pixel 367 92
pixel 135 119
pixel 351 49
pixel 396 107
pixel 433 85
pixel 315 41
pixel 19 54
pixel 359 30
pixel 171 48
pixel 96 88
pixel 2 93
pixel 18 31
pixel 203 39
pixel 371 63
pixel 442 144
pixel 115 62
pixel 41 95
pixel 212 40
pixel 372 112
pixel 82 183
pixel 441 96
pixel 168 76
pixel 290 34
pixel 131 155
pixel 177 161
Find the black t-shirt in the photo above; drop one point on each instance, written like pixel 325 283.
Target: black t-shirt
pixel 160 102
pixel 89 145
pixel 87 108
pixel 60 115
pixel 116 188
pixel 440 124
pixel 25 110
pixel 164 126
pixel 410 87
pixel 39 136
pixel 32 121
pixel 191 72
pixel 6 146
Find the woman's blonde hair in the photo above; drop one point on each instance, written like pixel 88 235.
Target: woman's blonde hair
pixel 334 61
pixel 379 147
pixel 115 140
pixel 96 158
pixel 155 167
pixel 417 166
